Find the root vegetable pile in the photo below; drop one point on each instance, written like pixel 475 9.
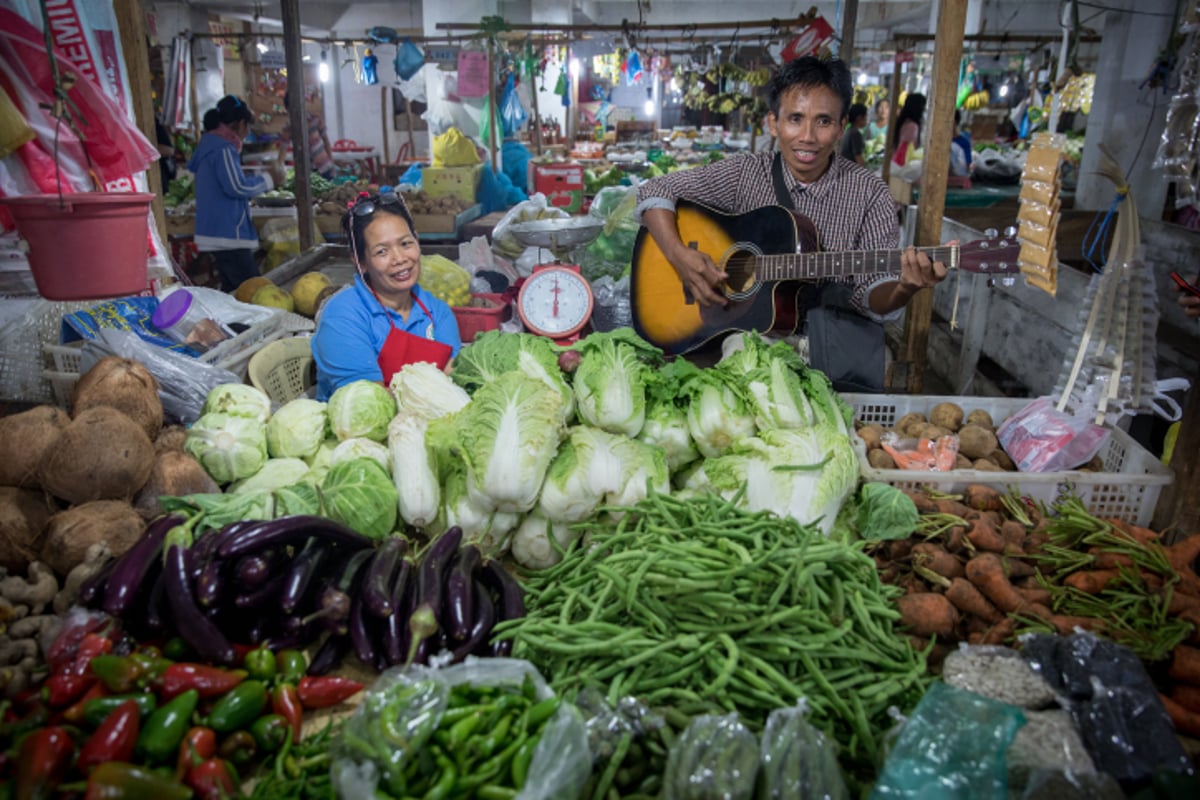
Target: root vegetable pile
pixel 700 606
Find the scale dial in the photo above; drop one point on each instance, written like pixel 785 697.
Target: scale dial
pixel 555 302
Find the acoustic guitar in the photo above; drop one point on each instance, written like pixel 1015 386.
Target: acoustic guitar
pixel 765 253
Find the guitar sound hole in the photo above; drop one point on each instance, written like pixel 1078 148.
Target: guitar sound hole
pixel 740 267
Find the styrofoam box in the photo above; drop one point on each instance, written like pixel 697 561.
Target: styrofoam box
pixel 1127 489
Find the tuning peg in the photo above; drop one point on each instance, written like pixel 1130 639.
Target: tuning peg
pixel 991 233
pixel 1010 231
pixel 1008 280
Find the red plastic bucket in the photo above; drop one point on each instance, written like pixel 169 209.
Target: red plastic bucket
pixel 85 246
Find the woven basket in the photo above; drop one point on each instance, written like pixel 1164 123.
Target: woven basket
pixel 283 368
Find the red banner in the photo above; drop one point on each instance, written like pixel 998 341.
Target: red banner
pixel 809 41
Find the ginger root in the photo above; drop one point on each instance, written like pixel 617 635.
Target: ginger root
pixel 97 555
pixel 37 592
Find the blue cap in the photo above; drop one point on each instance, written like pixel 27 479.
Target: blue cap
pixel 171 309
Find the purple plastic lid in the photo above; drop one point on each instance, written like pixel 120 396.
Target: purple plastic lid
pixel 171 309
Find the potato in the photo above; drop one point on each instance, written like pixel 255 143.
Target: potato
pixel 947 415
pixel 881 459
pixel 975 441
pixel 70 533
pixel 1002 458
pixel 930 431
pixel 962 462
pixel 986 465
pixel 1095 465
pixel 981 418
pixel 908 421
pixel 871 435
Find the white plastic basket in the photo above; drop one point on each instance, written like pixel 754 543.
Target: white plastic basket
pixel 1127 489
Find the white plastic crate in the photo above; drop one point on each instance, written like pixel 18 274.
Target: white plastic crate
pixel 1127 489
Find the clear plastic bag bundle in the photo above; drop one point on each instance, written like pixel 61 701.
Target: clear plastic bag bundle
pixel 716 758
pixel 797 760
pixel 1040 438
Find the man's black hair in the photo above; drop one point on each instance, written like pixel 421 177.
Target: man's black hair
pixel 857 112
pixel 808 72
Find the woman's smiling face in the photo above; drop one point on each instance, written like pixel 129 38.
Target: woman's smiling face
pixel 807 129
pixel 392 255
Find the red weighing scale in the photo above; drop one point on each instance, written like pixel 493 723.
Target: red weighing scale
pixel 556 301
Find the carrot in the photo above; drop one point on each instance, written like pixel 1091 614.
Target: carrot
pixel 1035 541
pixel 1066 625
pixel 1185 665
pixel 1182 556
pixel 984 536
pixel 935 655
pixel 1016 568
pixel 936 560
pixel 1108 560
pixel 928 614
pixel 1181 603
pixel 1001 632
pixel 1134 532
pixel 1014 533
pixel 1038 595
pixel 924 503
pixel 984 498
pixel 1187 696
pixel 986 571
pixel 1092 581
pixel 899 548
pixel 956 539
pixel 951 507
pixel 1185 721
pixel 967 599
pixel 1027 582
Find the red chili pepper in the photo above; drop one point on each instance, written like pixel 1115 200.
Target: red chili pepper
pixel 64 688
pixel 114 740
pixel 44 758
pixel 117 780
pixel 119 673
pixel 213 779
pixel 199 744
pixel 326 691
pixel 65 649
pixel 207 681
pixel 286 703
pixel 92 645
pixel 74 713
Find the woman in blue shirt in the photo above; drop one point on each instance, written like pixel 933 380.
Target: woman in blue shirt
pixel 384 320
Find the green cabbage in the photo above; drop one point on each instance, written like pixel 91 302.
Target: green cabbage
pixel 228 447
pixel 494 353
pixel 361 409
pixel 239 400
pixel 275 474
pixel 298 429
pixel 360 495
pixel 299 498
pixel 610 382
pixel 361 447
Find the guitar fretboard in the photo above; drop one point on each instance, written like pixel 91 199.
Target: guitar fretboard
pixel 799 266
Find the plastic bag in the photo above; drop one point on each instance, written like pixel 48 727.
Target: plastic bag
pixel 612 307
pixel 953 745
pixel 404 708
pixel 922 454
pixel 716 758
pixel 505 245
pixel 1040 438
pixel 798 761
pixel 512 113
pixel 454 149
pixel 611 253
pixel 446 280
pixel 183 382
pixel 281 239
pixel 408 61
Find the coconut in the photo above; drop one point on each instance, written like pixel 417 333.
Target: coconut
pixel 171 438
pixel 101 455
pixel 23 514
pixel 175 474
pixel 26 437
pixel 123 384
pixel 70 533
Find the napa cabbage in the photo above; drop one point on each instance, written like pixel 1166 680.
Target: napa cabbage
pixel 588 467
pixel 611 379
pixel 494 353
pixel 666 414
pixel 423 390
pixel 416 479
pixel 718 413
pixel 539 542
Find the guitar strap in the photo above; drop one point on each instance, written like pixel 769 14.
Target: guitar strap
pixel 842 343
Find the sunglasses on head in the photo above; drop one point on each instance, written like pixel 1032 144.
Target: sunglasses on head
pixel 366 204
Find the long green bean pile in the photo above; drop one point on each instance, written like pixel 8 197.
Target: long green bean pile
pixel 702 607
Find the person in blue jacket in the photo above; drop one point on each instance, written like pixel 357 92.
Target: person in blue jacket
pixel 384 320
pixel 223 192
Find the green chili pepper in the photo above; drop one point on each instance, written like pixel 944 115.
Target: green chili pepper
pixel 96 710
pixel 270 731
pixel 178 650
pixel 239 707
pixel 291 666
pixel 261 665
pixel 164 729
pixel 238 747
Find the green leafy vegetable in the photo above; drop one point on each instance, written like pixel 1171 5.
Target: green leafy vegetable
pixel 361 409
pixel 360 495
pixel 885 512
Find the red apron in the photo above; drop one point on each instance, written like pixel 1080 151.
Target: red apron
pixel 402 348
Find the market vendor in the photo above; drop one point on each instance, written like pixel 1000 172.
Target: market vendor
pixel 851 207
pixel 384 320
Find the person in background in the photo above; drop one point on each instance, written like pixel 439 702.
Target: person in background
pixel 384 320
pixel 166 152
pixel 319 148
pixel 1189 301
pixel 961 161
pixel 223 192
pixel 908 128
pixel 853 146
pixel 878 127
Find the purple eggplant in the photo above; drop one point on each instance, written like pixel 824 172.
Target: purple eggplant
pixel 360 637
pixel 264 594
pixel 481 625
pixel 329 654
pixel 290 531
pixel 201 551
pixel 459 597
pixel 510 600
pixel 210 582
pixel 377 586
pixel 300 574
pixel 431 571
pixel 200 632
pixel 91 591
pixel 156 620
pixel 252 571
pixel 129 573
pixel 396 634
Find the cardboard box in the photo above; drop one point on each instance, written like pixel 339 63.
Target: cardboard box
pixel 460 182
pixel 444 223
pixel 561 183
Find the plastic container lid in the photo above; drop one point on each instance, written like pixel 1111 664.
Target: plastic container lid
pixel 171 309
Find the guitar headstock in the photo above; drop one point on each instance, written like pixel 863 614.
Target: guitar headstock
pixel 996 254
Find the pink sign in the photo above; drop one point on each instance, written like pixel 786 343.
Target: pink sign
pixel 472 73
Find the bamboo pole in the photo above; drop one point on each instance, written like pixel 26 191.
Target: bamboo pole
pixel 494 117
pixel 889 137
pixel 131 23
pixel 298 119
pixel 412 135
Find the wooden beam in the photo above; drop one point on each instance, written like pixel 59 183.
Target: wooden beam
pixel 298 119
pixel 939 121
pixel 131 22
pixel 1177 506
pixel 384 118
pixel 849 25
pixel 770 24
pixel 537 115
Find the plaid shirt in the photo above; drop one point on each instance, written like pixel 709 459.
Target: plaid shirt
pixel 850 206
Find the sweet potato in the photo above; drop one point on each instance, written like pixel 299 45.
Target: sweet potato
pixel 937 560
pixel 1092 581
pixel 1185 665
pixel 982 498
pixel 967 599
pixel 928 614
pixel 1185 721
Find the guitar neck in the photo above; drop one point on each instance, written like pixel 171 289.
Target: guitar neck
pixel 815 265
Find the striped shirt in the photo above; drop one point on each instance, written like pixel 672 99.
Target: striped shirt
pixel 850 206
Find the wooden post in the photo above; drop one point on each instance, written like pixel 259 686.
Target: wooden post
pixel 383 115
pixel 1177 507
pixel 537 116
pixel 298 119
pixel 495 118
pixel 412 136
pixel 131 21
pixel 939 119
pixel 849 23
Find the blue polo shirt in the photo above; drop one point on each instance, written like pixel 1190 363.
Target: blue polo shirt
pixel 354 326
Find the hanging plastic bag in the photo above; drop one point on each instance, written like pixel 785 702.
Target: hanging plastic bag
pixel 454 149
pixel 409 60
pixel 512 113
pixel 1040 438
pixel 370 68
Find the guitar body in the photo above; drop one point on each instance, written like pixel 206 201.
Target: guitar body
pixel 669 318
